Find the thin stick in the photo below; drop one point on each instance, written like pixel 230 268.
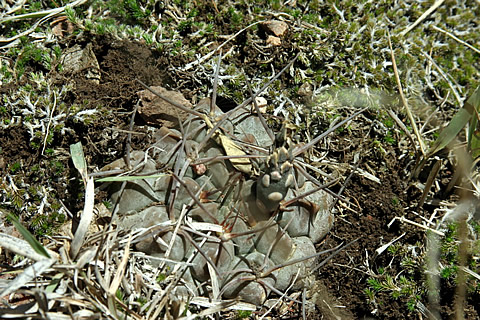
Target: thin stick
pixel 456 39
pixel 434 7
pixel 402 96
pixel 402 219
pixel 445 76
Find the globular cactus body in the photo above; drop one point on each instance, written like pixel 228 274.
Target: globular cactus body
pixel 254 232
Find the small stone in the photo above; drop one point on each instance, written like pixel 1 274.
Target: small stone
pixel 261 103
pixel 275 27
pixel 156 111
pixel 274 41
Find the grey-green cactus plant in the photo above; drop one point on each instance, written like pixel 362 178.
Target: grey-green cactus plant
pixel 233 212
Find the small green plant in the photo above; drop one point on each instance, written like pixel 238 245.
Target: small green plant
pixel 161 277
pixel 15 167
pixel 243 314
pixel 108 204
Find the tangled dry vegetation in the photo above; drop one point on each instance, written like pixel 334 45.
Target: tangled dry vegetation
pixel 224 206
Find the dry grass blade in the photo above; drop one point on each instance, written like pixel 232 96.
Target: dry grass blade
pixel 85 220
pixel 473 138
pixel 30 273
pixel 380 250
pixel 434 7
pixel 208 303
pixel 220 306
pixel 401 125
pixel 452 83
pixel 215 282
pixel 402 97
pixel 130 178
pixel 118 277
pixel 213 101
pixel 456 39
pixel 458 122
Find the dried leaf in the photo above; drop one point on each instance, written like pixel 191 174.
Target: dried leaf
pixel 78 158
pixel 231 149
pixel 85 220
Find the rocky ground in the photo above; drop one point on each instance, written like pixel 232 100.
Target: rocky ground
pixel 73 78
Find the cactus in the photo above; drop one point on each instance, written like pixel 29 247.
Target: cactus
pixel 236 207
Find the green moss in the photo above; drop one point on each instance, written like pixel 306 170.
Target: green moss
pixel 15 167
pixel 243 314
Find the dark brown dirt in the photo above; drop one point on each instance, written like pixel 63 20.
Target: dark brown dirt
pixel 343 279
pixel 345 276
